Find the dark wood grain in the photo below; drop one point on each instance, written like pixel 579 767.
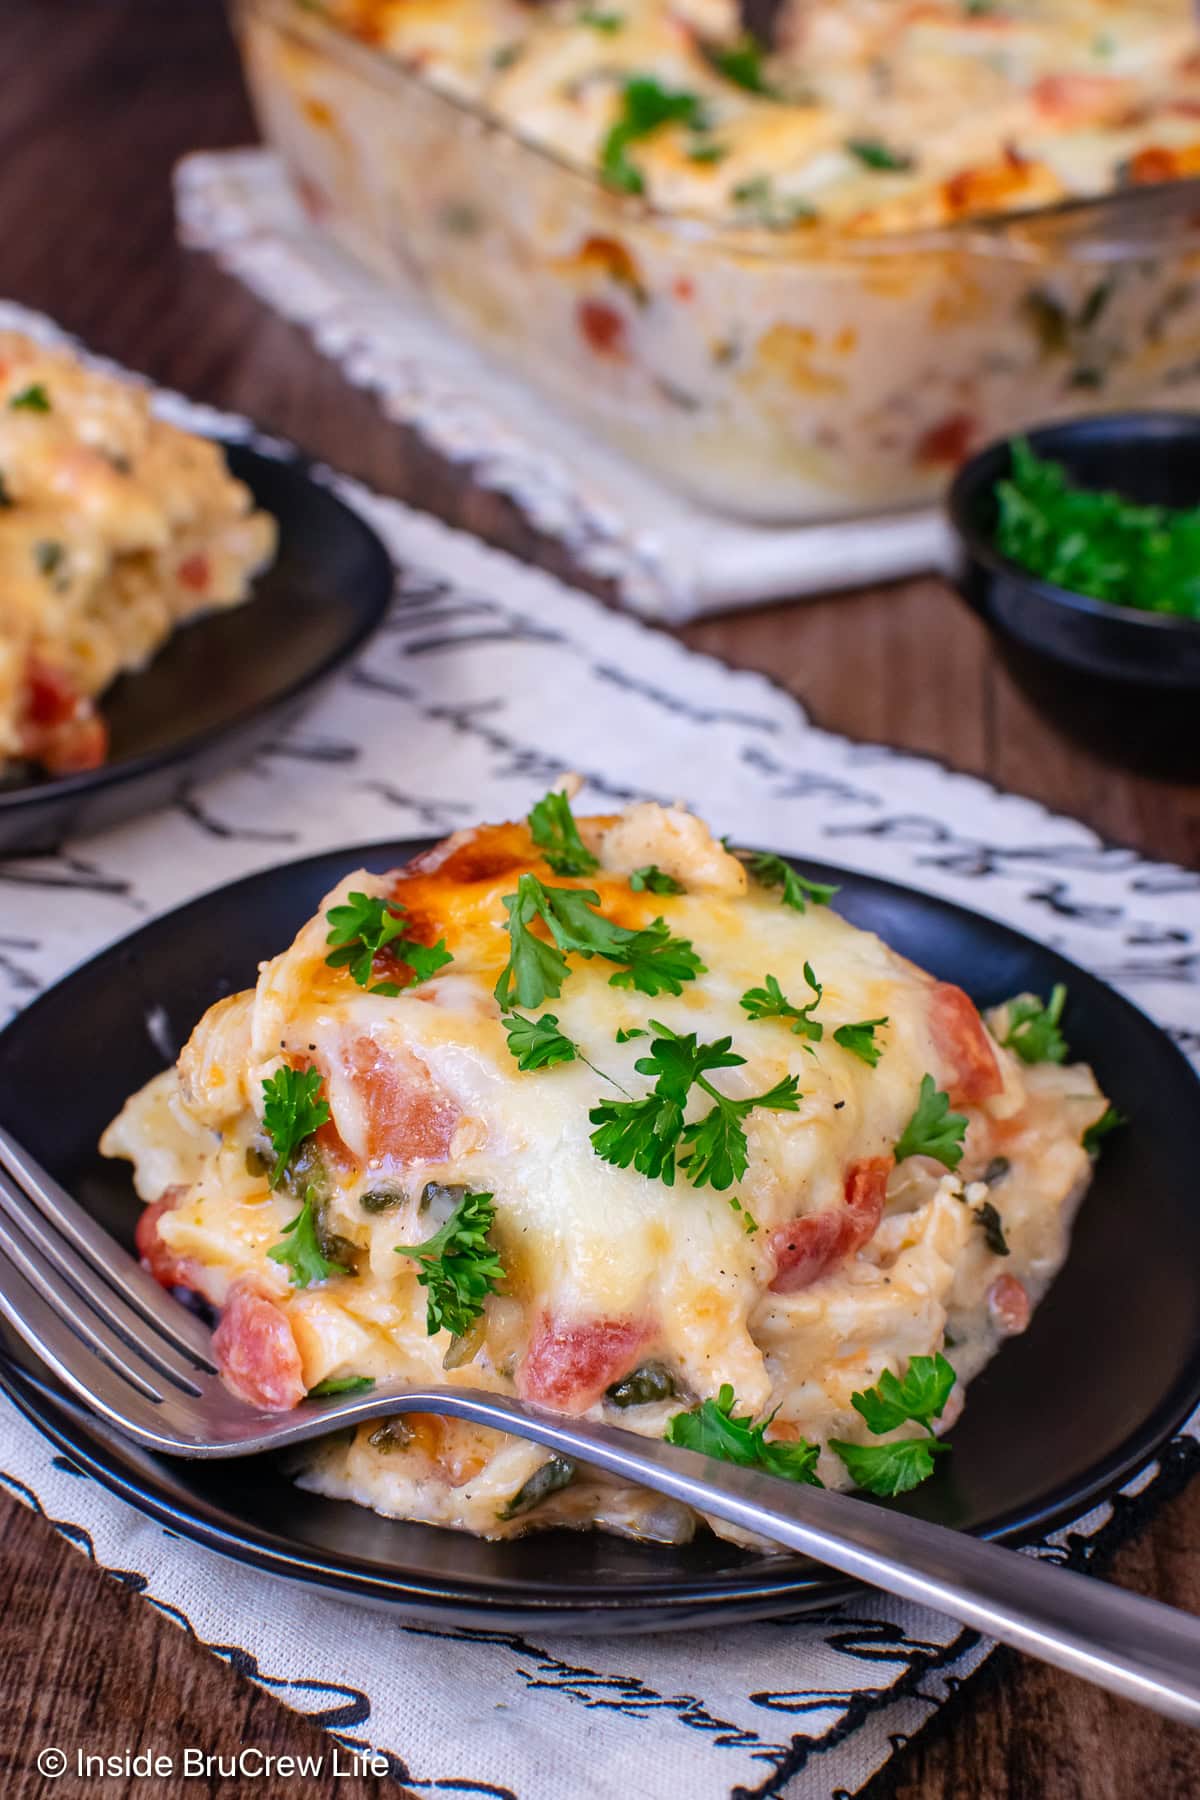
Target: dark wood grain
pixel 99 100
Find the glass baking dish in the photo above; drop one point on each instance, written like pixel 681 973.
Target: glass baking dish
pixel 779 377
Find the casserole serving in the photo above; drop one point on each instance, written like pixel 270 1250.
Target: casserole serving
pixel 626 1123
pixel 799 285
pixel 115 527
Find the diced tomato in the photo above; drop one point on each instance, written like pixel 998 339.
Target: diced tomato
pixel 683 287
pixel 256 1352
pixel 59 727
pixel 409 1118
pixel 948 441
pixel 167 1268
pixel 1077 98
pixel 809 1247
pixel 194 572
pixel 569 1363
pixel 1008 1303
pixel 603 328
pixel 973 1074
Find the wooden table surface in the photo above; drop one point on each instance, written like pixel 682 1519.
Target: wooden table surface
pixel 99 101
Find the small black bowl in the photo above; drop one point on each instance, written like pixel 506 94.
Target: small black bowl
pixel 1123 681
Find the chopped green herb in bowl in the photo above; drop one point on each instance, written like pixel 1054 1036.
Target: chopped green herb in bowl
pixel 1096 542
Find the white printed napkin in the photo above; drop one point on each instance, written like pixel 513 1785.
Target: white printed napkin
pixel 670 558
pixel 487 681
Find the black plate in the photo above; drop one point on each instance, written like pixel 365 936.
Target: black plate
pixel 225 684
pixel 1109 1367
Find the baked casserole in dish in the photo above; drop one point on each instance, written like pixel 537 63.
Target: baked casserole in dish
pixel 795 283
pixel 603 1114
pixel 115 527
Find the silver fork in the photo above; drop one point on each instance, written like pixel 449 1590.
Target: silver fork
pixel 143 1362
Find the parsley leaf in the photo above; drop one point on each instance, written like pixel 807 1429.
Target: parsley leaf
pixel 774 871
pixel 628 1032
pixel 648 1133
pixel 554 831
pixel 741 63
pixel 933 1129
pixel 653 880
pixel 33 398
pixel 536 970
pixel 341 1384
pixel 658 963
pixel 458 1268
pixel 770 1002
pixel 1110 1120
pixel 719 1154
pixel 598 20
pixel 292 1110
pixel 360 929
pixel 646 106
pixel 859 1039
pixel 778 212
pixel 1033 1028
pixel 300 1252
pixel 713 1429
pixel 538 1043
pixel 921 1397
pixel 875 154
pixel 889 1468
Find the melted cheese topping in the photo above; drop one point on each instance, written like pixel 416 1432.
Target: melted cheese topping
pixel 114 527
pixel 879 115
pixel 605 1269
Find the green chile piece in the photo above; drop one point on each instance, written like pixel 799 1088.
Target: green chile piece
pixel 558 1473
pixel 652 1381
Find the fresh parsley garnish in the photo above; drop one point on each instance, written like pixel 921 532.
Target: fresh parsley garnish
pixel 741 63
pixel 920 1398
pixel 1033 1028
pixel 341 1384
pixel 362 926
pixel 657 962
pixel 33 398
pixel 646 106
pixel 874 154
pixel 859 1039
pixel 554 831
pixel 1110 1120
pixel 714 1429
pixel 1096 542
pixel 798 890
pixel 648 1134
pixel 300 1252
pixel 597 20
pixel 758 197
pixel 653 880
pixel 988 1216
pixel 933 1129
pixel 292 1110
pixel 535 971
pixel 628 1032
pixel 538 1043
pixel 458 1267
pixel 770 1002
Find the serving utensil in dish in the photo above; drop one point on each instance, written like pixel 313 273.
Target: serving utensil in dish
pixel 105 1328
pixel 227 683
pixel 1108 1369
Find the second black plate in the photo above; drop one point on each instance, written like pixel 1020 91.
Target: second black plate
pixel 1109 1367
pixel 225 684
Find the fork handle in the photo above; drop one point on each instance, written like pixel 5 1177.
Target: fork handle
pixel 1130 1645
